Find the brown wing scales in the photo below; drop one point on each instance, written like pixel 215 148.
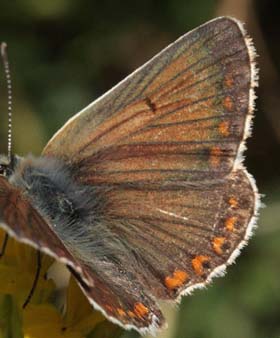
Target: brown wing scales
pixel 169 228
pixel 162 144
pixel 112 290
pixel 181 115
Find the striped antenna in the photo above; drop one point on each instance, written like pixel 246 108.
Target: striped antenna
pixel 5 60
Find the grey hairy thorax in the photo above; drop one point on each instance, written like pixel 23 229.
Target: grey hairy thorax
pixel 69 207
pixel 76 212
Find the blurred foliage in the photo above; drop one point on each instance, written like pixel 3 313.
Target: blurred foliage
pixel 65 53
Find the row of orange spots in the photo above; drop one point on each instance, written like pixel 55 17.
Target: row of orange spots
pixel 230 223
pixel 197 264
pixel 177 279
pixel 217 244
pixel 224 128
pixel 140 311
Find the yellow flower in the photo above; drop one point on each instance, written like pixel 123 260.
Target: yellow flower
pixel 41 318
pixel 17 271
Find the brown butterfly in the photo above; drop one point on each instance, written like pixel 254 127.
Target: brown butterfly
pixel 143 194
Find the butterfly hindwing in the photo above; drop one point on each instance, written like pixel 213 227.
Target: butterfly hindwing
pixel 167 241
pixel 181 234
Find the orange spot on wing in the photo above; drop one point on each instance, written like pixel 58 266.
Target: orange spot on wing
pixel 217 244
pixel 177 279
pixel 228 103
pixel 121 312
pixel 229 82
pixel 230 222
pixel 140 310
pixel 131 314
pixel 224 128
pixel 109 308
pixel 197 264
pixel 215 156
pixel 233 202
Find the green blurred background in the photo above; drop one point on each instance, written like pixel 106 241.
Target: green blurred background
pixel 65 53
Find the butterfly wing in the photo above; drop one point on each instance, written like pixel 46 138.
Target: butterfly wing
pixel 122 302
pixel 23 222
pixel 183 234
pixel 172 241
pixel 165 144
pixel 182 116
pixel 168 241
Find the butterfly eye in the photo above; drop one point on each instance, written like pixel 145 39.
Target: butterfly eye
pixel 3 170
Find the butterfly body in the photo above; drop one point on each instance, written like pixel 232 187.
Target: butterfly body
pixel 48 184
pixel 72 210
pixel 143 194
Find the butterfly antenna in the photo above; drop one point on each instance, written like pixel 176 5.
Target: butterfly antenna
pixel 5 60
pixel 35 281
pixel 4 245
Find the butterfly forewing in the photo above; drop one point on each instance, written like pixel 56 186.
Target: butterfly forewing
pixel 182 115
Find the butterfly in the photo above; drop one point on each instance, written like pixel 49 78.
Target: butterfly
pixel 143 194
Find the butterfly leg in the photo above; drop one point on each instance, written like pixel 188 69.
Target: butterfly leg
pixel 32 290
pixel 4 245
